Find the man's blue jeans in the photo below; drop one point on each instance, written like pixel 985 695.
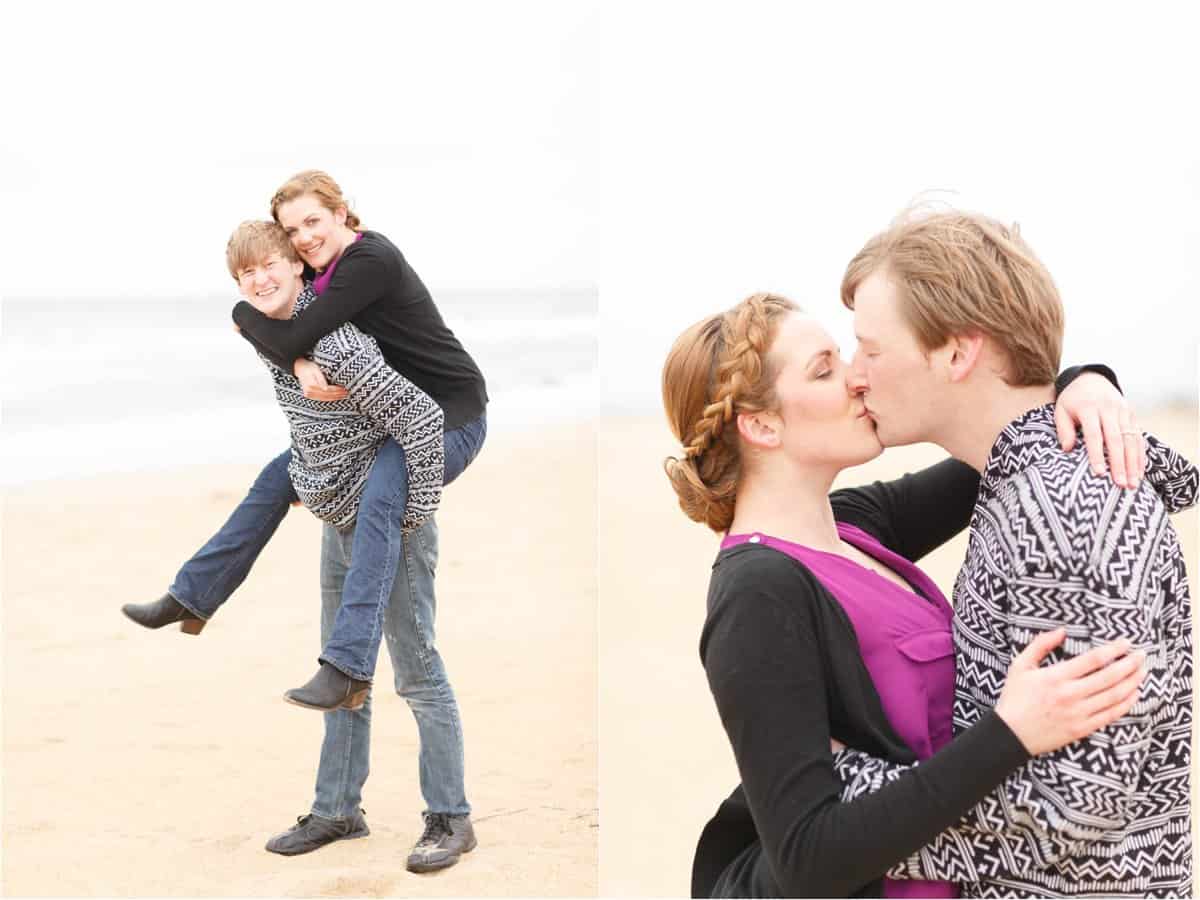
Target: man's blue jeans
pixel 408 625
pixel 353 647
pixel 208 579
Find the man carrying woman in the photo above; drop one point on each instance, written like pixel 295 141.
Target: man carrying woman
pixel 360 277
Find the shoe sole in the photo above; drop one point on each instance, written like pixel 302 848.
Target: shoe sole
pixel 187 626
pixel 444 864
pixel 353 702
pixel 348 837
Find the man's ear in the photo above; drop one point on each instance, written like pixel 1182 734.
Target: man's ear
pixel 962 354
pixel 760 429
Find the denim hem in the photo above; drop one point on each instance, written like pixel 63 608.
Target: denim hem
pixel 329 818
pixel 345 670
pixel 195 612
pixel 466 811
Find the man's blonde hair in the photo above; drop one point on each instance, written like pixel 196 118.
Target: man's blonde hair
pixel 963 273
pixel 253 241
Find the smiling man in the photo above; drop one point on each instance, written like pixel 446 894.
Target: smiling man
pixel 960 331
pixel 335 442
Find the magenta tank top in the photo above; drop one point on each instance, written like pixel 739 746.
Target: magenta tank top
pixel 907 645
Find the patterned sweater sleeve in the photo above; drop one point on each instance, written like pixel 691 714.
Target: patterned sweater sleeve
pixel 353 359
pixel 1073 801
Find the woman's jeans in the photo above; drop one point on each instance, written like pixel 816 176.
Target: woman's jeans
pixel 208 579
pixel 408 625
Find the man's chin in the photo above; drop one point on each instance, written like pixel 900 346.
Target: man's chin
pixel 889 438
pixel 272 312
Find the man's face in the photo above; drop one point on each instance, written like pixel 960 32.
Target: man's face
pixel 271 285
pixel 890 372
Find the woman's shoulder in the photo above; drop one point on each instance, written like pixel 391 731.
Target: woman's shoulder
pixel 751 579
pixel 762 600
pixel 375 245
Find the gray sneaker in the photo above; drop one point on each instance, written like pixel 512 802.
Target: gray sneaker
pixel 446 838
pixel 312 832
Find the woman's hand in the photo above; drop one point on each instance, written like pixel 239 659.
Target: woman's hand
pixel 312 380
pixel 1052 706
pixel 1092 403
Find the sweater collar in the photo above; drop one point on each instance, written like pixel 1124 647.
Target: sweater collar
pixel 1022 443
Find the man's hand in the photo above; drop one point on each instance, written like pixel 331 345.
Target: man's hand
pixel 1107 422
pixel 312 380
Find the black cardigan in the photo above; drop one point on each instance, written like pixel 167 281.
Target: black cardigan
pixel 785 669
pixel 375 288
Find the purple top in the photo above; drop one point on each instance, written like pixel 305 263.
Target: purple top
pixel 906 644
pixel 322 281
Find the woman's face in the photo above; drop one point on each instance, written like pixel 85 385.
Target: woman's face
pixel 318 234
pixel 823 420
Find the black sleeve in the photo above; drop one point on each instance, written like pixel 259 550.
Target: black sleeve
pixel 916 513
pixel 361 279
pixel 766 671
pixel 1070 374
pixel 285 364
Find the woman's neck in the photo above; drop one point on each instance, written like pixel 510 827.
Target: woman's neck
pixel 787 504
pixel 346 237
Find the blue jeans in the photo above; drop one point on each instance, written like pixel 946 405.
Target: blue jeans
pixel 208 579
pixel 353 646
pixel 408 624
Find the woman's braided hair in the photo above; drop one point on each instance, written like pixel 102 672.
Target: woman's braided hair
pixel 717 369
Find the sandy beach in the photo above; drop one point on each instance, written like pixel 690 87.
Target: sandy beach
pixel 665 764
pixel 141 763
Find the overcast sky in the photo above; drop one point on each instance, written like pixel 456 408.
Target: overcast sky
pixel 678 155
pixel 142 134
pixel 760 149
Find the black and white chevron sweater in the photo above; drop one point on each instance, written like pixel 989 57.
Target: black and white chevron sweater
pixel 334 444
pixel 1053 544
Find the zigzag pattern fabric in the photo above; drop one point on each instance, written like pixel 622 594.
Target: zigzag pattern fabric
pixel 1053 544
pixel 334 444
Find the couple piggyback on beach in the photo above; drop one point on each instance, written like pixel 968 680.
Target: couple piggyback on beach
pixel 385 407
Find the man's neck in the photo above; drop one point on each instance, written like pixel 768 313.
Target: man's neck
pixel 285 311
pixel 972 431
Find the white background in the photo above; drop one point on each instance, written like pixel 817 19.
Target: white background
pixel 136 136
pixel 758 148
pixel 679 158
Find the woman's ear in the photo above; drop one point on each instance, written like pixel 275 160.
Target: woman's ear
pixel 760 429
